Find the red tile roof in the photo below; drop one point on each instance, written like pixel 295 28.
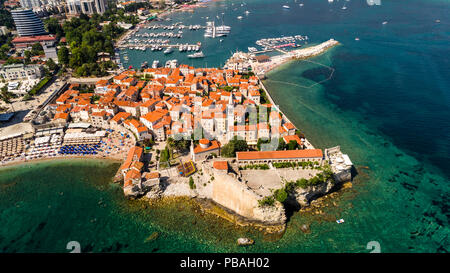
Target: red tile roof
pixel 220 165
pixel 33 39
pixel 287 139
pixel 308 153
pixel 214 145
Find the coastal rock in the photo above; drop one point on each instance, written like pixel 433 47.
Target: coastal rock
pixel 152 237
pixel 132 192
pixel 305 196
pixel 305 228
pixel 179 189
pixel 245 241
pixel 270 214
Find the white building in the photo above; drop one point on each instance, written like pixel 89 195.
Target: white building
pixel 21 71
pixel 86 6
pixel 4 30
pixel 29 4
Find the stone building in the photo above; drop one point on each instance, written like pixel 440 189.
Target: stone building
pixel 204 149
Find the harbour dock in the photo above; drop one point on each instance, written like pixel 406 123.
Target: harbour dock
pixel 142 45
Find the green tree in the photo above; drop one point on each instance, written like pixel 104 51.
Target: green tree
pixel 170 146
pixel 292 145
pixel 233 146
pixel 191 183
pixel 37 49
pixel 5 95
pixel 27 55
pixel 261 141
pixel 63 55
pixel 6 18
pixel 182 144
pixel 54 27
pixel 281 144
pixel 280 195
pixel 51 64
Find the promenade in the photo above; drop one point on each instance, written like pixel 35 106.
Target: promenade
pixel 275 61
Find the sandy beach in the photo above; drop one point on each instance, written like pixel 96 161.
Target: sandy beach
pixel 111 149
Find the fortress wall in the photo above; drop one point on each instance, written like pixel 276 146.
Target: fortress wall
pixel 234 195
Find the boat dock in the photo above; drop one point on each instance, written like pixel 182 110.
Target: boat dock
pixel 142 45
pixel 262 51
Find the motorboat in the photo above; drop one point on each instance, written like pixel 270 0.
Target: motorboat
pixel 196 55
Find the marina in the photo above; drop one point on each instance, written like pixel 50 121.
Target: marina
pixel 158 38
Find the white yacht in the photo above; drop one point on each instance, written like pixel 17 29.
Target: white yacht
pixel 196 55
pixel 168 50
pixel 155 64
pixel 286 7
pixel 173 63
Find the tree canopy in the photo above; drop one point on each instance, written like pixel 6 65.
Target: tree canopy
pixel 86 40
pixel 233 146
pixel 6 19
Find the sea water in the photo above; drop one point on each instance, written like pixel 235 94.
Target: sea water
pixel 384 99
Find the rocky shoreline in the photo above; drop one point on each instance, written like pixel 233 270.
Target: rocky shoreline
pixel 274 219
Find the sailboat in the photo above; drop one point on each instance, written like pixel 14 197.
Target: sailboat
pixel 344 7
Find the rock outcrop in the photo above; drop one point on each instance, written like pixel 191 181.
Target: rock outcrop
pixel 270 214
pixel 303 196
pixel 245 241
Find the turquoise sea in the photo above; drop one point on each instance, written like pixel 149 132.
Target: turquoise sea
pixel 387 104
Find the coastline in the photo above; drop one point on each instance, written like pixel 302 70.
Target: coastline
pixel 208 206
pixel 269 96
pixel 298 54
pixel 285 61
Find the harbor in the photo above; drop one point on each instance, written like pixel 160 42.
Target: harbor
pixel 261 64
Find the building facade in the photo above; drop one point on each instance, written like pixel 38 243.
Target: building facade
pixel 261 157
pixel 21 71
pixel 27 23
pixel 86 6
pixel 30 4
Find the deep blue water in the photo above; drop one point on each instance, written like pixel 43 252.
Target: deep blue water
pixel 386 104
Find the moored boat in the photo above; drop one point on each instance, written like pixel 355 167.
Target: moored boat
pixel 196 55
